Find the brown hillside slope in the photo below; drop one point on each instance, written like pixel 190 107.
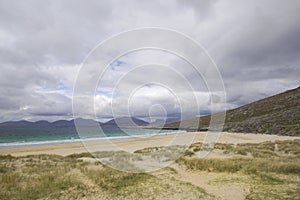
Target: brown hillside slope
pixel 278 114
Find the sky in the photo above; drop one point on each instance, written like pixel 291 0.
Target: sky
pixel 43 45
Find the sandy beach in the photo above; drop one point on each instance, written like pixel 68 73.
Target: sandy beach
pixel 132 144
pixel 241 166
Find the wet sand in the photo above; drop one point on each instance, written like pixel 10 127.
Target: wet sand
pixel 132 144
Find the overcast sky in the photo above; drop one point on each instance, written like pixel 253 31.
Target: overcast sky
pixel 255 45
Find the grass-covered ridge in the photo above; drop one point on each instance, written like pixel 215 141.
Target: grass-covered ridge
pixel 58 177
pixel 267 170
pixel 272 168
pixel 278 157
pixel 278 114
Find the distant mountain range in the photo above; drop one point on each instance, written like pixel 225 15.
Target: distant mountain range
pixel 24 130
pixel 126 122
pixel 120 122
pixel 278 114
pixel 162 121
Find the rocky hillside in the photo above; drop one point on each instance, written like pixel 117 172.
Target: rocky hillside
pixel 278 114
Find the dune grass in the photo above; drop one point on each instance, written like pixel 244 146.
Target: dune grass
pixel 278 157
pixel 272 168
pixel 245 165
pixel 32 177
pixel 58 177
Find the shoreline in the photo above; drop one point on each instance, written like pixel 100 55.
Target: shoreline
pixel 12 145
pixel 131 144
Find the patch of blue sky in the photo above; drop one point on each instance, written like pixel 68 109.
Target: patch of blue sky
pixel 107 93
pixel 61 86
pixel 117 64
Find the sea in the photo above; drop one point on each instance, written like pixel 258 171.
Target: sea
pixel 34 137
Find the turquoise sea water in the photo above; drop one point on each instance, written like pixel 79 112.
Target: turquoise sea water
pixel 21 137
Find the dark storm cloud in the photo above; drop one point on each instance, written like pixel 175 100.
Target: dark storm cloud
pixel 202 8
pixel 50 32
pixel 52 104
pixel 42 43
pixel 36 35
pixel 256 48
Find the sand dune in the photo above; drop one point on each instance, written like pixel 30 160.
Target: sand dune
pixel 132 144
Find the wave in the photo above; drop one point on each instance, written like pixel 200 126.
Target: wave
pixel 70 141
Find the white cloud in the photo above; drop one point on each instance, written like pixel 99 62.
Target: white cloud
pixel 255 44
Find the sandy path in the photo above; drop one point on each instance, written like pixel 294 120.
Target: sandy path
pixel 205 180
pixel 132 144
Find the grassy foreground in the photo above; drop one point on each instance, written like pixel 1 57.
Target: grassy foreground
pixel 57 177
pixel 269 170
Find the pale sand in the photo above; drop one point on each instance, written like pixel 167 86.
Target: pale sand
pixel 207 181
pixel 132 144
pixel 230 190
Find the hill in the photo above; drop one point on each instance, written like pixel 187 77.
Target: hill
pixel 278 114
pixel 126 122
pixel 121 122
pixel 21 130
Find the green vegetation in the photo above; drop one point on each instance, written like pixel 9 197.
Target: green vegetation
pixel 278 114
pixel 58 177
pixel 272 168
pixel 246 165
pixel 31 177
